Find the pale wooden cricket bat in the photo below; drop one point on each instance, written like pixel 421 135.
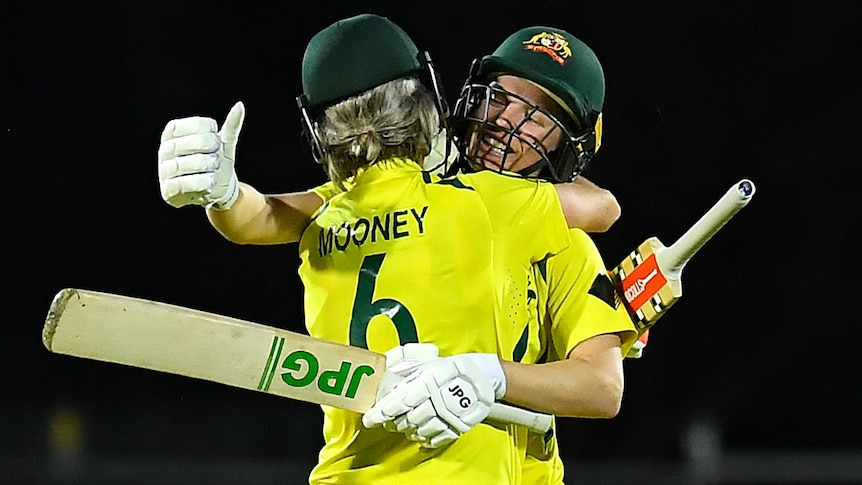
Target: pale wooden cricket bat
pixel 649 280
pixel 193 343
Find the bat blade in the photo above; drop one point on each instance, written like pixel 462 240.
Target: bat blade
pixel 649 279
pixel 178 340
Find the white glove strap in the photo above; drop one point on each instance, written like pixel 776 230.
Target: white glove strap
pixel 491 368
pixel 230 195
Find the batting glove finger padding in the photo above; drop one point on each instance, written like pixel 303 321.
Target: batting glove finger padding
pixel 190 189
pixel 441 439
pixel 400 424
pixel 172 168
pixel 208 142
pixel 401 361
pixel 192 125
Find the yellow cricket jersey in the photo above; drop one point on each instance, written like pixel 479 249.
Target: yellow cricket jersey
pixel 403 256
pixel 575 301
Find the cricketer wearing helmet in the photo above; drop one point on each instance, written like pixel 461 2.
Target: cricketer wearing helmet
pixel 567 73
pixel 403 257
pixel 399 256
pixel 542 77
pixel 528 130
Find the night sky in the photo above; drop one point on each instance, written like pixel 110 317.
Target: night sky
pixel 765 341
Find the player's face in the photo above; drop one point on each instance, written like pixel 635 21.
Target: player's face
pixel 519 132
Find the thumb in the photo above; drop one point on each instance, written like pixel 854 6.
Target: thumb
pixel 229 132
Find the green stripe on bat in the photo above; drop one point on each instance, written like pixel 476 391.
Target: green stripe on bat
pixel 271 363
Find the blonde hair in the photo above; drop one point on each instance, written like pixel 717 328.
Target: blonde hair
pixel 395 119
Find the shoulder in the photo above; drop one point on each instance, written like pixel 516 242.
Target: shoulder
pixel 581 240
pixel 490 185
pixel 582 252
pixel 329 190
pixel 492 178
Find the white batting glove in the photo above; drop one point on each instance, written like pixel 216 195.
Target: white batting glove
pixel 401 361
pixel 196 161
pixel 441 399
pixel 443 154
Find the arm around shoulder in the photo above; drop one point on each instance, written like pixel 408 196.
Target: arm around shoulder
pixel 588 384
pixel 588 206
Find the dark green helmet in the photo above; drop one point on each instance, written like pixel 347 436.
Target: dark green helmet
pixel 556 61
pixel 354 55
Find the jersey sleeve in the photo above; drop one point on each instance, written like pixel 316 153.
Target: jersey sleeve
pixel 526 212
pixel 326 191
pixel 581 298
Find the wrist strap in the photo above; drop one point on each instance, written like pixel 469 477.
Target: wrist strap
pixel 231 195
pixel 491 368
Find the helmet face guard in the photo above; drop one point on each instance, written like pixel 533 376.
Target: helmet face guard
pixel 311 141
pixel 475 127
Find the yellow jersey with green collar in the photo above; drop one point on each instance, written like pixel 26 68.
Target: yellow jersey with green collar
pixel 405 256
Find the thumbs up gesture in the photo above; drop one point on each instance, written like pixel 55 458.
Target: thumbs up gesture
pixel 196 161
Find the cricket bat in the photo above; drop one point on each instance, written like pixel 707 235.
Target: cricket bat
pixel 649 280
pixel 193 343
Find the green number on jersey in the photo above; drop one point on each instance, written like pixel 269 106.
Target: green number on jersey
pixel 364 309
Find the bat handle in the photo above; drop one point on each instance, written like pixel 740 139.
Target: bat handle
pixel 538 422
pixel 672 259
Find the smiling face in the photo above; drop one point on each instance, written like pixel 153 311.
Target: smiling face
pixel 513 126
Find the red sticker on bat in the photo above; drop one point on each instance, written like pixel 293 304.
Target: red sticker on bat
pixel 643 283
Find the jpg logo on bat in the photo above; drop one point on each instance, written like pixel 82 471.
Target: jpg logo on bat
pixel 303 368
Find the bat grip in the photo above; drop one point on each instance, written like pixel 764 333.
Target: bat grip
pixel 538 422
pixel 672 259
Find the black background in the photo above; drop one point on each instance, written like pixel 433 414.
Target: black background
pixel 764 343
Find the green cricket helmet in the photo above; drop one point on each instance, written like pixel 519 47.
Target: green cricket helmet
pixel 562 67
pixel 354 55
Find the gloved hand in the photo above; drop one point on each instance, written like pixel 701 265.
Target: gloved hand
pixel 443 154
pixel 401 361
pixel 441 399
pixel 637 350
pixel 196 161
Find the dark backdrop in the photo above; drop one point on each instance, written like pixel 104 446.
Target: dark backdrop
pixel 763 344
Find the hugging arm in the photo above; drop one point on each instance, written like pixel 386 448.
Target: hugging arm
pixel 588 206
pixel 257 218
pixel 196 167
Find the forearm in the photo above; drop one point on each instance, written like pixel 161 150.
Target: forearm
pixel 588 206
pixel 588 385
pixel 256 218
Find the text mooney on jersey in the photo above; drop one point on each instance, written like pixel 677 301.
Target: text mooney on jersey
pixel 391 225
